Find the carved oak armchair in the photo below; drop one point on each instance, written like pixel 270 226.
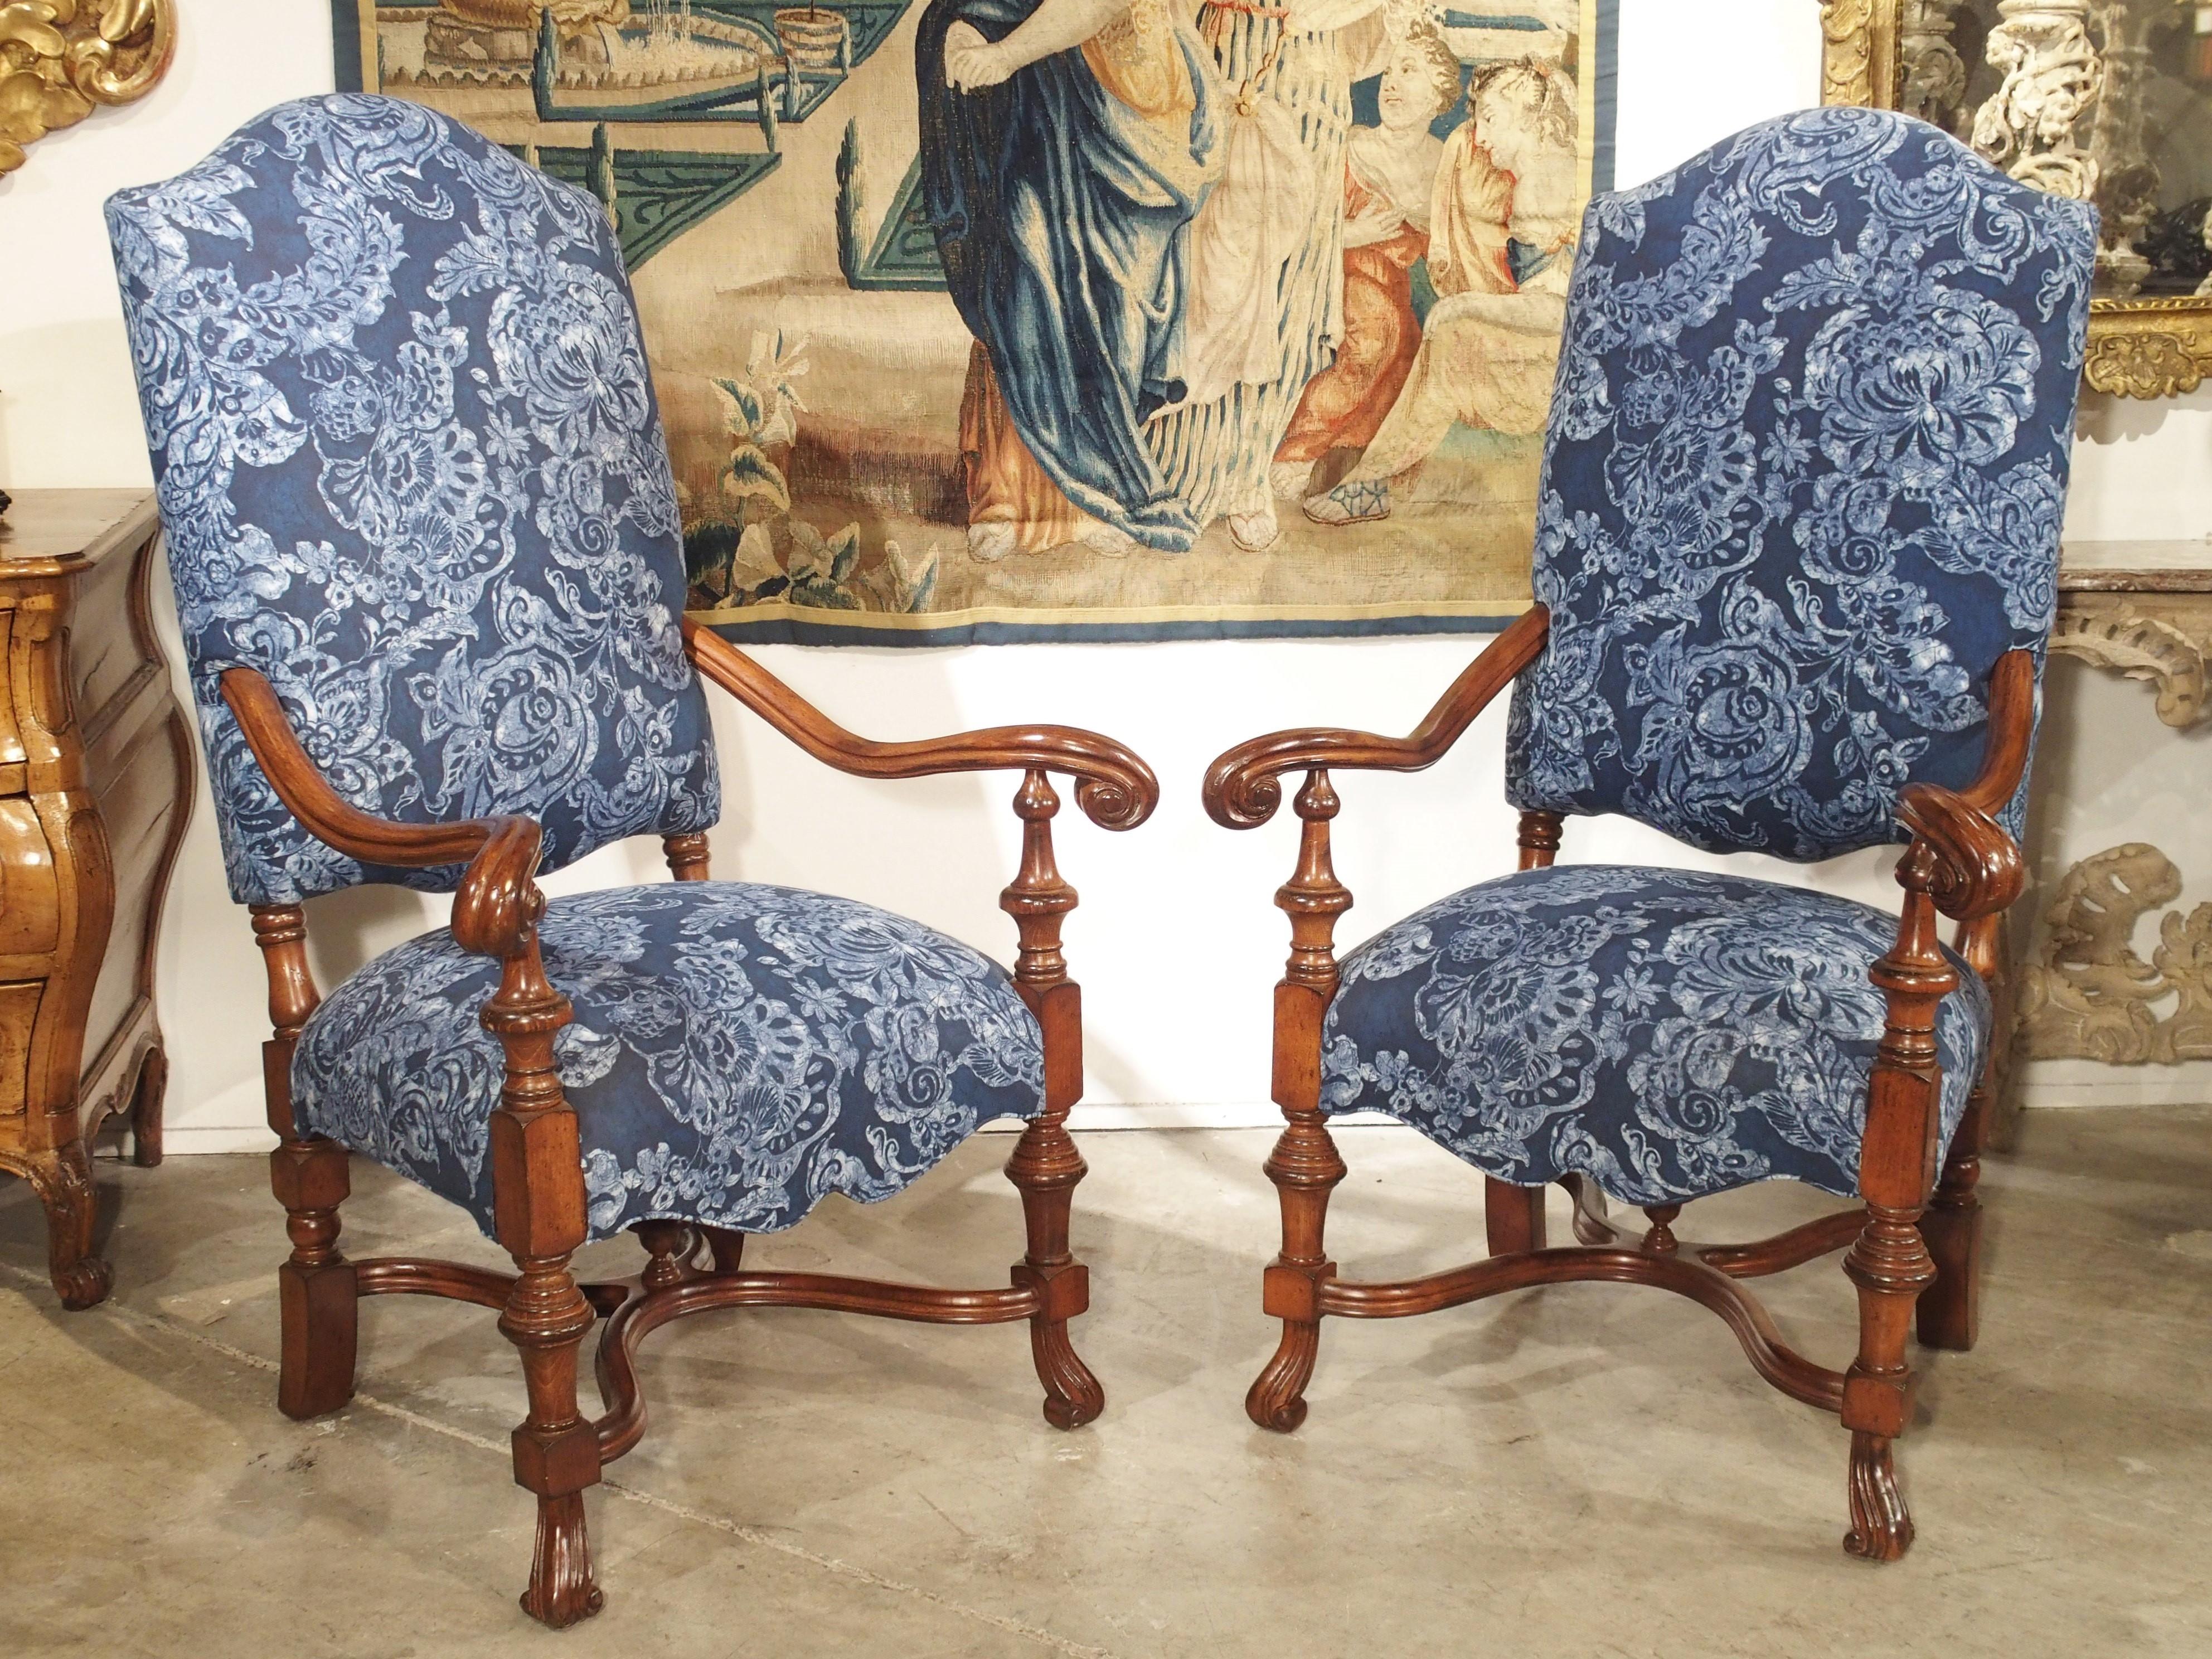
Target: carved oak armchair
pixel 423 533
pixel 1796 561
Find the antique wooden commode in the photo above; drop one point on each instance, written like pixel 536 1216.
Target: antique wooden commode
pixel 94 788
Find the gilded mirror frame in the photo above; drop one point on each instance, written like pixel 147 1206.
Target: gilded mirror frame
pixel 1895 54
pixel 60 59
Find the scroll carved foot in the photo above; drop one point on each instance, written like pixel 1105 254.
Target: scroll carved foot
pixel 561 1592
pixel 1073 1396
pixel 83 1283
pixel 1882 1528
pixel 1277 1398
pixel 62 1181
pixel 1045 1169
pixel 1305 1168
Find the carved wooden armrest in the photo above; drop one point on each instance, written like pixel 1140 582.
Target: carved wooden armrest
pixel 497 903
pixel 1242 791
pixel 1974 866
pixel 1977 866
pixel 1115 787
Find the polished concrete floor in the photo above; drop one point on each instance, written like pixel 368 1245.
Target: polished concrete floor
pixel 1583 1470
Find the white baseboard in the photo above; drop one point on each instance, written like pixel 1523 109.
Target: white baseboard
pixel 2144 1086
pixel 1168 1115
pixel 189 1140
pixel 1222 1114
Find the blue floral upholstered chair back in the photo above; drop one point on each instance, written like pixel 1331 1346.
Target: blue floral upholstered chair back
pixel 410 469
pixel 1812 413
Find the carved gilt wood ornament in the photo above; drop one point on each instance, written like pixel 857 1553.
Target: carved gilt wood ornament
pixel 2163 638
pixel 2088 995
pixel 2074 96
pixel 58 58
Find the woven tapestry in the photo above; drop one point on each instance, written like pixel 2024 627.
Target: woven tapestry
pixel 979 320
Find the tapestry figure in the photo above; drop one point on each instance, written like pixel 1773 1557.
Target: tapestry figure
pixel 1389 179
pixel 1500 254
pixel 1061 184
pixel 1266 304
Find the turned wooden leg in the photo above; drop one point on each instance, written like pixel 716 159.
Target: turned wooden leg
pixel 62 1177
pixel 556 1452
pixel 317 1300
pixel 146 1109
pixel 668 1245
pixel 1512 1217
pixel 1950 1311
pixel 1889 1262
pixel 1304 1166
pixel 1890 1266
pixel 1045 1167
pixel 540 1212
pixel 1305 1169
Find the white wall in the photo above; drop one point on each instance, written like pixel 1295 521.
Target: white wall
pixel 1176 943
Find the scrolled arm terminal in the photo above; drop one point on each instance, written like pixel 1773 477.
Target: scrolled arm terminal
pixel 1977 869
pixel 1241 787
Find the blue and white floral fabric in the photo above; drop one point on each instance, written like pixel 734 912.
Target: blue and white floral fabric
pixel 737 1051
pixel 410 468
pixel 1670 1034
pixel 1805 468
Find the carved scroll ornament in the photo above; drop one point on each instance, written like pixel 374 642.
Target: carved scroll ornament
pixel 2149 348
pixel 58 58
pixel 2087 995
pixel 2123 635
pixel 1934 76
pixel 1859 63
pixel 2053 77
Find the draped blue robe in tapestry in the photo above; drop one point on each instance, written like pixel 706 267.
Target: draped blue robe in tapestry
pixel 1063 222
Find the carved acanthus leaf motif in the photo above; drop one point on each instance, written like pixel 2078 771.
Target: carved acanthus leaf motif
pixel 60 57
pixel 2088 996
pixel 1935 74
pixel 2116 635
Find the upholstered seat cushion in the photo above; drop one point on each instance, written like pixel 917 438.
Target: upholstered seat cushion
pixel 737 1051
pixel 1670 1034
